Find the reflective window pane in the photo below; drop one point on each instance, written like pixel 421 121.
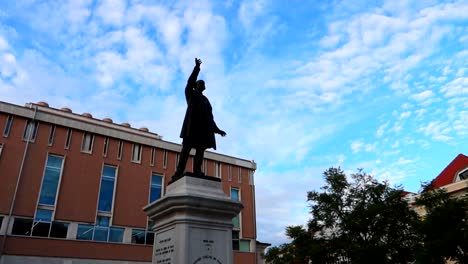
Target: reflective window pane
pixel 244 245
pixel 156 187
pixel 109 171
pixel 106 195
pixel 116 234
pixel 102 221
pixel 100 233
pixel 50 180
pixel 138 236
pixel 43 215
pixel 85 232
pixel 236 222
pixel 235 194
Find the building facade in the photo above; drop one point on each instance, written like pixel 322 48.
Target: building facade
pixel 72 188
pixel 453 179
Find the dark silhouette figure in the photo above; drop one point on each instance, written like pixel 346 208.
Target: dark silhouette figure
pixel 199 126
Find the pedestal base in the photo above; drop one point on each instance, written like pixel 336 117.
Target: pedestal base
pixel 193 223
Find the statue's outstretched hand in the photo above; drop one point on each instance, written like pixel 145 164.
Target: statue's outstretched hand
pixel 198 62
pixel 222 133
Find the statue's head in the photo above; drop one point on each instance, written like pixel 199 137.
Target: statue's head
pixel 200 85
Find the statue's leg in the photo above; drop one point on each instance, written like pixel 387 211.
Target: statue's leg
pixel 184 154
pixel 198 160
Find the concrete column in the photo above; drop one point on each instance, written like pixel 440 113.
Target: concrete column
pixel 193 222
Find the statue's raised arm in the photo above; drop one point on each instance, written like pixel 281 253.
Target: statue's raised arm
pixel 192 80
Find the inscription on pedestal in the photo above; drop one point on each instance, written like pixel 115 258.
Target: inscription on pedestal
pixel 208 258
pixel 164 248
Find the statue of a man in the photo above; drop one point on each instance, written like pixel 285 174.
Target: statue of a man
pixel 199 126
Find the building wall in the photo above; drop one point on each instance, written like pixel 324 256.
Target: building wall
pixel 79 184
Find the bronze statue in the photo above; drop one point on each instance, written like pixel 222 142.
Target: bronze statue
pixel 199 126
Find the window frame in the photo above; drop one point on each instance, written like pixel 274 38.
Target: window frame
pixel 165 159
pixel 57 191
pixel 120 149
pixel 239 175
pixel 1 149
pixel 230 173
pixel 153 156
pixel 27 135
pixel 459 174
pixel 218 169
pixel 154 174
pixel 8 124
pixel 105 146
pixel 101 212
pixel 87 143
pixel 139 148
pixel 51 135
pixel 68 138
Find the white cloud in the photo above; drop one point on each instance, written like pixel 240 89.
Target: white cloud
pixel 422 96
pixel 112 12
pixel 457 87
pixel 249 10
pixel 405 114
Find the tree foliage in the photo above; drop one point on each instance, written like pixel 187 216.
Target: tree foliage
pixel 358 219
pixel 444 229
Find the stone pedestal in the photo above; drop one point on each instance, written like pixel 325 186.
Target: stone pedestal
pixel 193 222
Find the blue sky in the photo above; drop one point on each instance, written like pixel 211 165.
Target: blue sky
pixel 299 86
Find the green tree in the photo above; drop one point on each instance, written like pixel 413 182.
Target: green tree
pixel 363 220
pixel 444 228
pixel 355 219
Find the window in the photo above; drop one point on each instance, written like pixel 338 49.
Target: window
pixel 87 144
pixel 41 226
pixel 51 179
pixel 42 222
pixel 1 222
pixel 59 230
pixel 165 159
pixel 106 146
pixel 30 131
pixel 244 245
pixel 68 139
pixel 251 177
pixel 463 175
pixel 102 231
pixel 106 193
pixel 22 226
pixel 136 153
pixel 143 237
pixel 230 173
pixel 235 196
pixel 176 161
pixel 152 156
pixel 235 240
pixel 239 175
pixel 51 135
pixel 217 169
pixel 119 150
pixel 156 187
pixel 6 131
pixel 1 149
pixel 85 232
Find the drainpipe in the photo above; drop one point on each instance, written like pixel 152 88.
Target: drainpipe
pixel 12 205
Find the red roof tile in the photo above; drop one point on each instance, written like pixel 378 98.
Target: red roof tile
pixel 447 176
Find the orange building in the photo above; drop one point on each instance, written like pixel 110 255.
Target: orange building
pixel 72 187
